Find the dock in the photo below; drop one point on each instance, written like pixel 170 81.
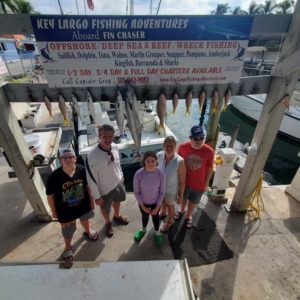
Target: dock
pixel 266 251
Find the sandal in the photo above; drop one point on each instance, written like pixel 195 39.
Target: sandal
pixel 121 220
pixel 92 236
pixel 162 217
pixel 68 255
pixel 189 223
pixel 166 227
pixel 178 215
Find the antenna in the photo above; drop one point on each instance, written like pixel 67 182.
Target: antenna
pixel 158 7
pixel 61 11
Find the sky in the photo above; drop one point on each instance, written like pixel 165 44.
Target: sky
pixel 141 7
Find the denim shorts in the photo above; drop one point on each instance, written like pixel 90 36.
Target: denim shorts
pixel 192 195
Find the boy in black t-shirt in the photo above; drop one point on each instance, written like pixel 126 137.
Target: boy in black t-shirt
pixel 69 199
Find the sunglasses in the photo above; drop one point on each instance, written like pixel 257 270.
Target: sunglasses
pixel 198 139
pixel 112 158
pixel 68 157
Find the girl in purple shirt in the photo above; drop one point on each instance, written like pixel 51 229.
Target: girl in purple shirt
pixel 149 185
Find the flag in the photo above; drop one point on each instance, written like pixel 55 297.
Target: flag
pixel 90 4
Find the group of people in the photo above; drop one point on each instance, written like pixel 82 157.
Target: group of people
pixel 165 177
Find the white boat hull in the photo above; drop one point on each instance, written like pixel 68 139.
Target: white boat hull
pixel 151 139
pixel 251 106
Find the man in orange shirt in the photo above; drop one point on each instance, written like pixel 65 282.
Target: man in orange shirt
pixel 198 158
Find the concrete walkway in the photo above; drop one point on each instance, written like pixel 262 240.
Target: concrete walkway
pixel 266 262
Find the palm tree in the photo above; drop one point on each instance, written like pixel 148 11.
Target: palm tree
pixel 268 7
pixel 7 6
pixel 222 9
pixel 254 9
pixel 285 7
pixel 16 7
pixel 24 7
pixel 238 11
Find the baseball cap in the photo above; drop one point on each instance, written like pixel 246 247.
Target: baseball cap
pixel 197 132
pixel 67 152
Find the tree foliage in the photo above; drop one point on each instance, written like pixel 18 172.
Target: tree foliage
pixel 269 7
pixel 16 7
pixel 222 9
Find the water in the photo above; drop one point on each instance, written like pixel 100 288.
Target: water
pixel 282 163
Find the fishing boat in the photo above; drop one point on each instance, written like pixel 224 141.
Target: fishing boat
pixel 251 107
pixel 151 138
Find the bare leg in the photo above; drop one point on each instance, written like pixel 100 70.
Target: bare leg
pixel 163 209
pixel 105 216
pixel 68 243
pixel 191 207
pixel 67 240
pixel 183 205
pixel 86 225
pixel 116 207
pixel 171 213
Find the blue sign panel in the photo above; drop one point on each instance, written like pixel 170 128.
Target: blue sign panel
pixel 159 28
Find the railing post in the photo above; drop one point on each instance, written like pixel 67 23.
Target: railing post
pixel 16 149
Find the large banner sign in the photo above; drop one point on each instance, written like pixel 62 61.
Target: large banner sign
pixel 106 51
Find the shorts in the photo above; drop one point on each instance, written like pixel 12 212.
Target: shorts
pixel 192 195
pixel 170 199
pixel 88 215
pixel 118 194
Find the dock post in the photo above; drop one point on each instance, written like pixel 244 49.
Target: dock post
pixel 234 136
pixel 284 76
pixel 16 149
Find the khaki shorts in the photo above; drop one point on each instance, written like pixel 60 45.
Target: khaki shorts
pixel 118 194
pixel 170 199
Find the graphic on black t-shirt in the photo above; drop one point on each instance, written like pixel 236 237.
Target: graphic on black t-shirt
pixel 73 192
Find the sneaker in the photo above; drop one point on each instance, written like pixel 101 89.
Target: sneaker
pixel 109 230
pixel 139 234
pixel 158 240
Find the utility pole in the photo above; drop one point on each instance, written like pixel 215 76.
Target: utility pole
pixel 283 80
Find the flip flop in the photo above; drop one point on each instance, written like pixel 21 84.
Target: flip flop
pixel 178 215
pixel 189 223
pixel 92 236
pixel 166 227
pixel 162 217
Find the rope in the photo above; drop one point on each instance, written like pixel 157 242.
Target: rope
pixel 256 205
